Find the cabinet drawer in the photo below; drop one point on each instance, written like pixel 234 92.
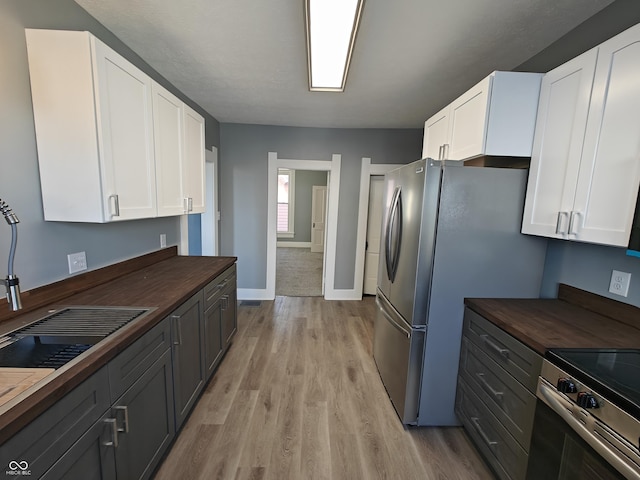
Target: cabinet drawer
pixel 504 454
pixel 48 437
pixel 517 359
pixel 511 403
pixel 213 290
pixel 129 365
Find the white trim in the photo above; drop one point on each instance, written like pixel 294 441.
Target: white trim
pixel 333 167
pixel 366 171
pixel 343 294
pixel 294 244
pixel 253 294
pixel 211 215
pixel 183 244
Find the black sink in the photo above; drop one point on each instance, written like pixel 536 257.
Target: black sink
pixel 61 336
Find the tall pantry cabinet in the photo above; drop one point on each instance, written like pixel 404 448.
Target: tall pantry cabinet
pixel 585 165
pixel 112 143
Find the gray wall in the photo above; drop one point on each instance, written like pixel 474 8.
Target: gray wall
pixel 304 182
pixel 243 185
pixel 43 246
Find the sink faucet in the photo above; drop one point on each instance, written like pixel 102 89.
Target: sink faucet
pixel 11 282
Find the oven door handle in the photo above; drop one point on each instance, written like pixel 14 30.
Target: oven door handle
pixel 553 399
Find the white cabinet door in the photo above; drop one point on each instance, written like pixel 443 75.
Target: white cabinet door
pixel 436 134
pixel 468 121
pixel 607 185
pixel 585 168
pixel 125 127
pixel 557 147
pixel 168 142
pixel 194 178
pixel 495 117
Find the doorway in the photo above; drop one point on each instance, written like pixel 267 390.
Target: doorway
pixel 333 182
pixel 302 210
pixel 374 234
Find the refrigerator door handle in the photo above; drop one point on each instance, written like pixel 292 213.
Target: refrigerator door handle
pixel 398 245
pixel 387 236
pixel 391 320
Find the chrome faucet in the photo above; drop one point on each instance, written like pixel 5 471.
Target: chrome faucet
pixel 11 282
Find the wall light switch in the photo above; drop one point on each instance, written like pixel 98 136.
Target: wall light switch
pixel 77 262
pixel 620 283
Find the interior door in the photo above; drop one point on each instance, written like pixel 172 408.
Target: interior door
pixel 374 227
pixel 318 217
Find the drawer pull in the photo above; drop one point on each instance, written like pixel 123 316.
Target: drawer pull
pixel 123 408
pixel 496 394
pixel 114 433
pixel 485 438
pixel 500 351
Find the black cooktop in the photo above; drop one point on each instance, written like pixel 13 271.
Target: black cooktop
pixel 613 373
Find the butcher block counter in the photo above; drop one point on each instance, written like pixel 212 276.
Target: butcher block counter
pixel 576 319
pixel 160 281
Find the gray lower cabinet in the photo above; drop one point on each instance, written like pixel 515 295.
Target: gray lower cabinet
pixel 220 318
pixel 188 365
pixel 496 400
pixel 119 422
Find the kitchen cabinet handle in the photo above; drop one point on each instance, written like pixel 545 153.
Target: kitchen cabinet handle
pixel 123 408
pixel 496 394
pixel 574 223
pixel 561 222
pixel 445 151
pixel 177 329
pixel 225 302
pixel 114 433
pixel 440 149
pixel 116 204
pixel 190 204
pixel 487 440
pixel 493 346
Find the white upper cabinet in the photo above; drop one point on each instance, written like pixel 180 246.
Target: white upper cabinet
pixel 112 144
pixel 194 176
pixel 169 146
pixel 585 168
pixel 495 117
pixel 94 129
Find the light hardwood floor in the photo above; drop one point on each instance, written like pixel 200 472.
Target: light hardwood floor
pixel 298 397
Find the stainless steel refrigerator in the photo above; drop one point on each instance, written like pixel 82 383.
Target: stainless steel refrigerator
pixel 449 232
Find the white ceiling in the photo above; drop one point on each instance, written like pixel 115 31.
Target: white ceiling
pixel 244 61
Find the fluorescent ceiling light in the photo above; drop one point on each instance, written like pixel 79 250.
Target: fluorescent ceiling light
pixel 331 33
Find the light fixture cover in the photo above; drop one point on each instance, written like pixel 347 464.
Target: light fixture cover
pixel 331 32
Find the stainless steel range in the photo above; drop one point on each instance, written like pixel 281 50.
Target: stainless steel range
pixel 587 422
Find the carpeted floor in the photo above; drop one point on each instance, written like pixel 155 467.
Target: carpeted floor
pixel 298 272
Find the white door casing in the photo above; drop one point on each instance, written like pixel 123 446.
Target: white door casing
pixel 332 166
pixel 366 171
pixel 318 217
pixel 211 216
pixel 374 228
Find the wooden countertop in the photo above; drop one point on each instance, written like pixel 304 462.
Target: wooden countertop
pixel 163 285
pixel 577 319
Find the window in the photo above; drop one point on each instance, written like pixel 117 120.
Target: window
pixel 286 195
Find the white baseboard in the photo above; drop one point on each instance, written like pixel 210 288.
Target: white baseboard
pixel 253 294
pixel 262 294
pixel 342 294
pixel 294 244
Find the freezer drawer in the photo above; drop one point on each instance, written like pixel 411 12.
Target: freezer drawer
pixel 397 351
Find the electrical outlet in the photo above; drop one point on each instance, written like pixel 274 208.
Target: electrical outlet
pixel 163 240
pixel 77 262
pixel 620 283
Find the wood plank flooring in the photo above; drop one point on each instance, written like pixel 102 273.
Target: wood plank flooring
pixel 298 396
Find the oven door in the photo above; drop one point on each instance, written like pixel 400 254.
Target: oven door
pixel 558 451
